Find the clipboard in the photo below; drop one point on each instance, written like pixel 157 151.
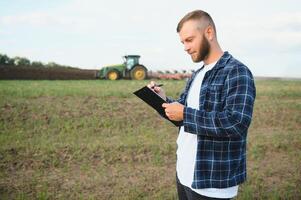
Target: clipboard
pixel 155 101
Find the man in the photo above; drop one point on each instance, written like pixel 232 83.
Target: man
pixel 215 110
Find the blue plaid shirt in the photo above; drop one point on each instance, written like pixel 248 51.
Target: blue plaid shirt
pixel 221 123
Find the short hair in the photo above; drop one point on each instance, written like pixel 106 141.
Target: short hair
pixel 197 15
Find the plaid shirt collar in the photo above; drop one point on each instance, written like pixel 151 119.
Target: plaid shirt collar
pixel 222 61
pixel 220 64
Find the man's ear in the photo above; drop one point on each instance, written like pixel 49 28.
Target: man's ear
pixel 209 33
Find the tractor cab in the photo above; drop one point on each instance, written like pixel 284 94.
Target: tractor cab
pixel 130 61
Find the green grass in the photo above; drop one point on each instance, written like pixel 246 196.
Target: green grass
pixel 96 140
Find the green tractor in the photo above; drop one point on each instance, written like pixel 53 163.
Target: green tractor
pixel 130 69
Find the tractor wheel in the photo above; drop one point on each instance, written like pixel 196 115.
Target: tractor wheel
pixel 138 72
pixel 112 75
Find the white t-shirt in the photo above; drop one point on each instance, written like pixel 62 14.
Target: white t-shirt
pixel 187 146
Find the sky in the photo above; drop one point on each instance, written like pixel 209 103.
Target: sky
pixel 89 34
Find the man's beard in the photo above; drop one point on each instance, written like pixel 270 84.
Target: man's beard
pixel 204 50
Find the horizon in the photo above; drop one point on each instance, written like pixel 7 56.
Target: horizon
pixel 170 70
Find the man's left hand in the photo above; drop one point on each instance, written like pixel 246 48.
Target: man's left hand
pixel 174 111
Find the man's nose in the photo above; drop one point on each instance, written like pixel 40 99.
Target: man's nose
pixel 186 48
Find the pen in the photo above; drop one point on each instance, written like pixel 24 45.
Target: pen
pixel 160 85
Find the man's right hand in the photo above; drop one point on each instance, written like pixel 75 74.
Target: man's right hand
pixel 158 90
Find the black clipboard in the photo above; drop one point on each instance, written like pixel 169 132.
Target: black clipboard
pixel 155 101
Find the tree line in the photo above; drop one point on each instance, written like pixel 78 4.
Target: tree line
pixel 22 61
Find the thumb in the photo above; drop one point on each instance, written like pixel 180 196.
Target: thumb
pixel 164 105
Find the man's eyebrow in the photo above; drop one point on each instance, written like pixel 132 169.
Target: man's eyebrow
pixel 186 39
pixel 189 38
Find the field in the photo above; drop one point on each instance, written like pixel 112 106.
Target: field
pixel 9 72
pixel 95 140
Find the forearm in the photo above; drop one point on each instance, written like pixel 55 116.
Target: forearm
pixel 215 124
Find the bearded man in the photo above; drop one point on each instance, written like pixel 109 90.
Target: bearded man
pixel 215 111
